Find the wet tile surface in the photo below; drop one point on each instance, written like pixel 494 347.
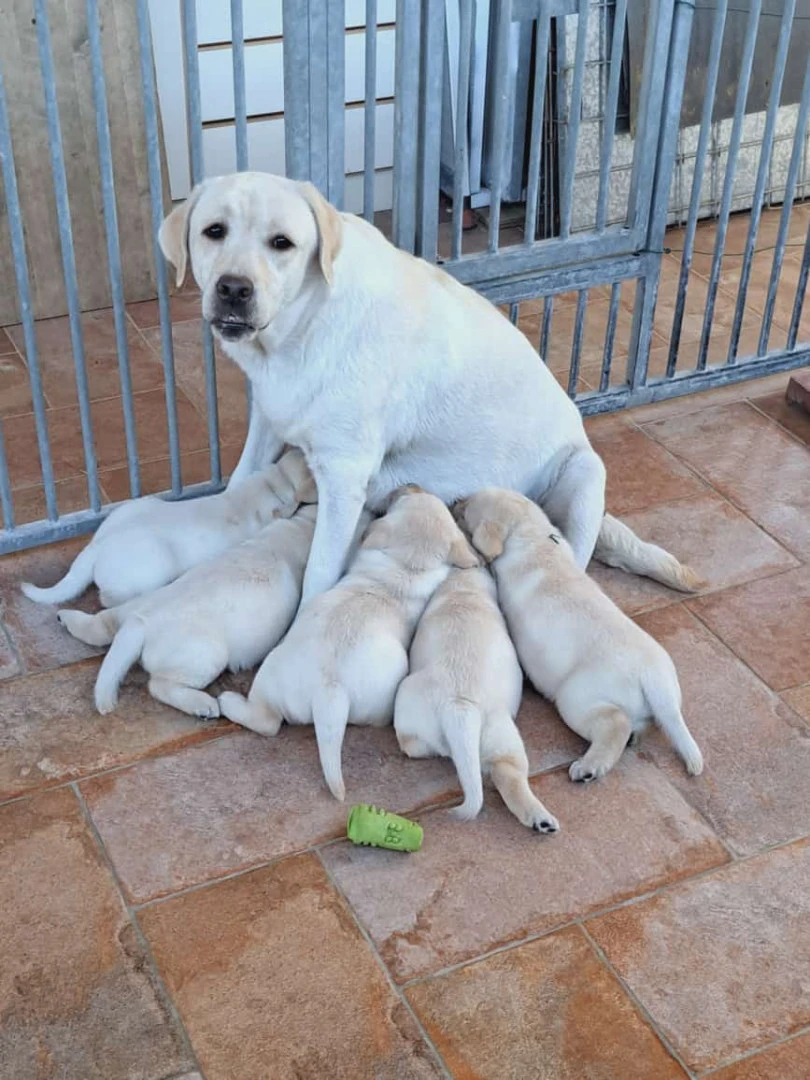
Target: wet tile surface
pixel 269 967
pixel 77 995
pixel 418 910
pixel 755 789
pixel 720 963
pixel 547 1010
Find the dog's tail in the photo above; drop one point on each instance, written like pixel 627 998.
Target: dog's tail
pixel 664 701
pixel 75 581
pixel 330 715
pixel 617 545
pixel 461 724
pixel 123 653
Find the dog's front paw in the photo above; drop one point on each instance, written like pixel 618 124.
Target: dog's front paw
pixel 541 821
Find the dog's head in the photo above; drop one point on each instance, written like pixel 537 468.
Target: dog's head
pixel 252 240
pixel 419 532
pixel 490 516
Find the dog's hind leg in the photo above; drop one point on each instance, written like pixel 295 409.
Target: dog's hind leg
pixel 185 698
pixel 97 629
pixel 250 712
pixel 504 756
pixel 576 502
pixel 608 730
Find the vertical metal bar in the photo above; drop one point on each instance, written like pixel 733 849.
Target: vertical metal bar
pixel 744 82
pixel 335 111
pixel 239 94
pixel 798 302
pixel 573 119
pixel 113 242
pixel 576 346
pixel 514 311
pixel 406 124
pixel 197 172
pixel 156 204
pixel 545 329
pixel 6 504
pixel 762 174
pixel 432 75
pixel 461 155
pixel 538 111
pixel 370 111
pixel 611 110
pixel 784 218
pixel 610 336
pixel 715 50
pixel 20 260
pixel 297 140
pixel 66 244
pixel 501 85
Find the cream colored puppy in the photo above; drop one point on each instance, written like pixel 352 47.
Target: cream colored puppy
pixel 148 542
pixel 607 677
pixel 228 612
pixel 463 693
pixel 346 653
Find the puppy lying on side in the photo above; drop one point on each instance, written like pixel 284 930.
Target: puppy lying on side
pixel 149 542
pixel 228 612
pixel 463 693
pixel 607 677
pixel 346 653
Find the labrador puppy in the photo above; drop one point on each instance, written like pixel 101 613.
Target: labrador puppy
pixel 607 677
pixel 463 693
pixel 227 613
pixel 148 542
pixel 347 651
pixel 385 370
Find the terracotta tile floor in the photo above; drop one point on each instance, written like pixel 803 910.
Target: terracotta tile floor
pixel 176 901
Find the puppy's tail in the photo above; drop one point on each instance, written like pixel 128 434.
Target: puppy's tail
pixel 461 723
pixel 123 653
pixel 75 581
pixel 330 715
pixel 617 545
pixel 664 701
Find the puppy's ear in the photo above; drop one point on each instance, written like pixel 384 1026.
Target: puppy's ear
pixel 462 555
pixel 378 535
pixel 173 235
pixel 330 228
pixel 489 539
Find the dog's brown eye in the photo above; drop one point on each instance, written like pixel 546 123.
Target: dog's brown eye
pixel 217 231
pixel 281 243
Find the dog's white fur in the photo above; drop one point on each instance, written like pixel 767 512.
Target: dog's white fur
pixel 346 653
pixel 463 693
pixel 148 542
pixel 386 371
pixel 228 612
pixel 607 677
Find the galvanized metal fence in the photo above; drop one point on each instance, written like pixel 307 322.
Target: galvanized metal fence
pixel 578 262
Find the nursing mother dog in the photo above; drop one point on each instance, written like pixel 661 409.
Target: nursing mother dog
pixel 385 371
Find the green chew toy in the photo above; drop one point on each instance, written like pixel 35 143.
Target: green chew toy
pixel 378 828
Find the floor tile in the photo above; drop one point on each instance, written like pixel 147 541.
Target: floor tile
pixel 269 967
pixel 51 731
pixel 700 532
pixel 76 991
pixel 55 357
pixel 799 700
pixel 767 624
pixel 182 306
pixel 791 417
pixel 749 460
pixel 549 743
pixel 720 963
pixel 755 789
pixel 29 502
pixel 692 403
pixel 640 473
pixel 786 1061
pixel 418 909
pixel 15 389
pixel 9 664
pixel 156 476
pixel 548 1010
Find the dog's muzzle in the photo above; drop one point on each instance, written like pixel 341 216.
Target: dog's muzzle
pixel 233 317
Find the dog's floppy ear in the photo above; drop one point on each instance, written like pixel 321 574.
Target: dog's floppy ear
pixel 489 538
pixel 330 228
pixel 173 235
pixel 378 535
pixel 462 555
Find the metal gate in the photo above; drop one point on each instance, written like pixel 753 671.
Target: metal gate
pixel 601 185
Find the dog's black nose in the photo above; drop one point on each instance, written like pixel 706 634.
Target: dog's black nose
pixel 234 289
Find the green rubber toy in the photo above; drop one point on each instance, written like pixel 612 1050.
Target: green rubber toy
pixel 377 828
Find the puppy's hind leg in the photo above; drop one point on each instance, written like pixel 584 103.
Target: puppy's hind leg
pixel 250 712
pixel 330 715
pixel 185 698
pixel 97 629
pixel 576 502
pixel 504 755
pixel 609 730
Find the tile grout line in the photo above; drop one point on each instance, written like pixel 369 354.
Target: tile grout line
pixel 157 979
pixel 398 992
pixel 640 1008
pixel 790 434
pixel 757 1051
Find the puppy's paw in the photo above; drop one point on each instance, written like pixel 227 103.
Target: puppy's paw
pixel 582 772
pixel 694 763
pixel 543 822
pixel 209 712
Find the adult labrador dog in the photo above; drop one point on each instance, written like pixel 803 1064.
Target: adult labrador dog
pixel 385 371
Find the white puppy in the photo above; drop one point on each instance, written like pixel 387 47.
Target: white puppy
pixel 228 612
pixel 607 677
pixel 346 653
pixel 462 696
pixel 149 542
